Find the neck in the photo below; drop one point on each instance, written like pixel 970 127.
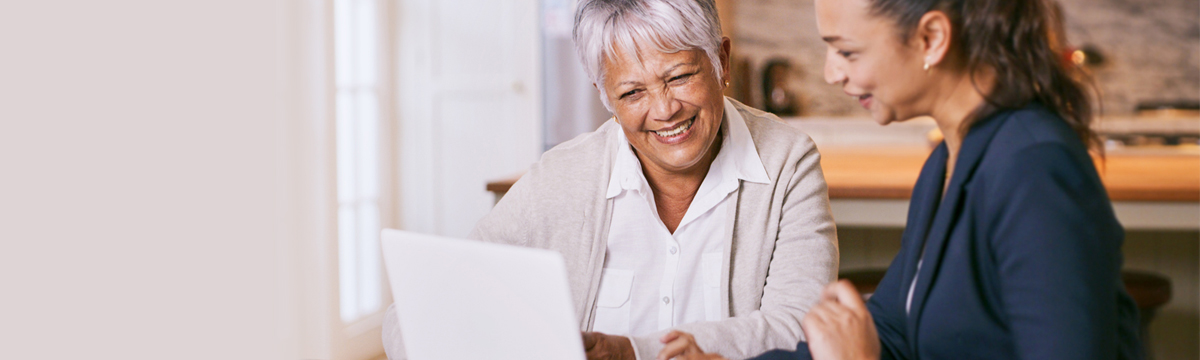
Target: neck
pixel 960 99
pixel 674 190
pixel 678 185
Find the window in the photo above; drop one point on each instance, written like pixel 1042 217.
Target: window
pixel 360 161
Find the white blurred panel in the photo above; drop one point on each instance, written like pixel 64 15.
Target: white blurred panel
pixel 475 147
pixel 471 106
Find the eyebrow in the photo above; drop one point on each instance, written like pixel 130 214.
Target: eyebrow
pixel 672 68
pixel 664 74
pixel 830 39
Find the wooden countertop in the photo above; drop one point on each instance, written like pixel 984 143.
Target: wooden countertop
pixel 890 173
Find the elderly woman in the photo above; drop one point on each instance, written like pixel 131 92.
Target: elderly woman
pixel 687 210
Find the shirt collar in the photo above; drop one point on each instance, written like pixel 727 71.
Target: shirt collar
pixel 738 159
pixel 627 170
pixel 745 155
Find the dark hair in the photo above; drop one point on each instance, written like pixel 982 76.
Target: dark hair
pixel 1019 40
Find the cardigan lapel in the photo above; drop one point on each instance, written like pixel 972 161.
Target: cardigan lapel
pixel 947 212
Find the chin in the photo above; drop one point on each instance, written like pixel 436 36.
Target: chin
pixel 883 118
pixel 680 161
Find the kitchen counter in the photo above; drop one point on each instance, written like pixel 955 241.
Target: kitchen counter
pixel 871 185
pixel 871 170
pixel 1152 189
pixel 890 173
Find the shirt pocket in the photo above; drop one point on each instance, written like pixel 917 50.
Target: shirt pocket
pixel 612 302
pixel 711 265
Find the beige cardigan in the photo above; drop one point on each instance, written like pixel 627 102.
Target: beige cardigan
pixel 781 254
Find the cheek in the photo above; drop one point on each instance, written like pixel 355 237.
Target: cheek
pixel 631 117
pixel 702 96
pixel 903 83
pixel 711 103
pixel 699 91
pixel 890 78
pixel 862 75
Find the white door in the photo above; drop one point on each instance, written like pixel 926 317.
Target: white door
pixel 470 103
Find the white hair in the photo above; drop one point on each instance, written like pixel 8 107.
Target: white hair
pixel 671 26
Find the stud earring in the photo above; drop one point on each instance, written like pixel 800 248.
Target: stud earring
pixel 926 66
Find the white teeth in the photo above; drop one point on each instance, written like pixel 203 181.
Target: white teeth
pixel 677 130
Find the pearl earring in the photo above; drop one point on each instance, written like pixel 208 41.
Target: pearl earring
pixel 926 66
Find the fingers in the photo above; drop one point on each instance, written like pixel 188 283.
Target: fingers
pixel 829 310
pixel 589 341
pixel 826 317
pixel 838 310
pixel 811 324
pixel 847 295
pixel 816 320
pixel 599 346
pixel 700 357
pixel 830 292
pixel 671 350
pixel 679 344
pixel 674 334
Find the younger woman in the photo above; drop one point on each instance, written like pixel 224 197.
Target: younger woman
pixel 1011 250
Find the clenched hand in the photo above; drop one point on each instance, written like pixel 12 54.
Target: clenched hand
pixel 600 346
pixel 682 346
pixel 839 327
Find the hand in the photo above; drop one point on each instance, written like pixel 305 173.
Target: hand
pixel 839 327
pixel 607 347
pixel 682 346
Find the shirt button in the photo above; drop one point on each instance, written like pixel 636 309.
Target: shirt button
pixel 666 300
pixel 673 250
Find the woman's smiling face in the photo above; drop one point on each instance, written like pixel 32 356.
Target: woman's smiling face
pixel 868 59
pixel 669 105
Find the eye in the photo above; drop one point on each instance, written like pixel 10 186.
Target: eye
pixel 629 93
pixel 845 54
pixel 681 78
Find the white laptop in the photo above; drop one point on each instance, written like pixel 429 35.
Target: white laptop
pixel 462 299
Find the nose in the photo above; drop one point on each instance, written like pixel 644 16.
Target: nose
pixel 833 72
pixel 663 105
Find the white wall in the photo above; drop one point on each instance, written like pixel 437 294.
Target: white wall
pixel 144 192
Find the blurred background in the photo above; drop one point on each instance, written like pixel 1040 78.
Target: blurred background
pixel 207 179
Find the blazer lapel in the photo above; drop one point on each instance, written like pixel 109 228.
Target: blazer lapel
pixel 921 208
pixel 947 212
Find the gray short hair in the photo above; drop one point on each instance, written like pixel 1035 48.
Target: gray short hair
pixel 669 25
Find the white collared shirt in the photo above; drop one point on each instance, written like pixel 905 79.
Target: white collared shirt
pixel 654 280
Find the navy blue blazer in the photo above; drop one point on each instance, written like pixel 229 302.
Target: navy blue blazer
pixel 1022 257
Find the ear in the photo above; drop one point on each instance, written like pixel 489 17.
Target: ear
pixel 933 35
pixel 726 47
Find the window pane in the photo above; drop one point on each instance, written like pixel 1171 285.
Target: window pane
pixel 343 40
pixel 368 257
pixel 345 147
pixel 365 43
pixel 367 145
pixel 358 157
pixel 347 275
